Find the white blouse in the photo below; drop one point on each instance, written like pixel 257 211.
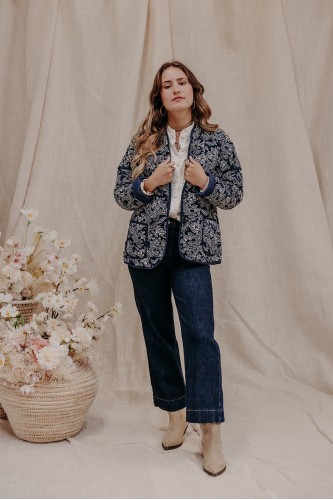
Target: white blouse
pixel 178 175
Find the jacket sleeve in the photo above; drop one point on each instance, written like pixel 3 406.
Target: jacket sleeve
pixel 127 192
pixel 225 189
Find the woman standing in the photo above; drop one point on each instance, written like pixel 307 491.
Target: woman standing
pixel 176 171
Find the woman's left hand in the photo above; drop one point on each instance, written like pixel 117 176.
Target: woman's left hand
pixel 195 174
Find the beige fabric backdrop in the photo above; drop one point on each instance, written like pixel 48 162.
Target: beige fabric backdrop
pixel 75 78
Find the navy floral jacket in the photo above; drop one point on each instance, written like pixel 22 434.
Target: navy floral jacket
pixel 199 236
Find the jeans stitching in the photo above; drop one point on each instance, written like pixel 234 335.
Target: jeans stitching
pixel 205 410
pixel 169 399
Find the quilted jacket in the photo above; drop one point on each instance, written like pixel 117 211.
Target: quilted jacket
pixel 199 234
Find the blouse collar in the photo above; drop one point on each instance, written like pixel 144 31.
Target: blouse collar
pixel 185 132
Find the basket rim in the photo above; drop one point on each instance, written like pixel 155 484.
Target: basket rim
pixel 30 301
pixel 77 366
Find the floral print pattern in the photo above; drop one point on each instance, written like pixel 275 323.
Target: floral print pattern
pixel 199 235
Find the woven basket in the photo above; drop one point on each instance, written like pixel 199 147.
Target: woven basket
pixel 27 308
pixel 56 410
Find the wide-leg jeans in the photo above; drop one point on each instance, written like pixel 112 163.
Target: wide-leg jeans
pixel 191 286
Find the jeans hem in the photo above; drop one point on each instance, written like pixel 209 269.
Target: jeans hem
pixel 170 405
pixel 204 416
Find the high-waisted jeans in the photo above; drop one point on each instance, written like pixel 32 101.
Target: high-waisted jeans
pixel 191 286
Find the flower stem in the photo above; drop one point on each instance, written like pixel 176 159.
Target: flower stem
pixel 25 234
pixel 32 255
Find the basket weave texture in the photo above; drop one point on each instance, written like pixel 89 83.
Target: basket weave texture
pixel 27 308
pixel 56 410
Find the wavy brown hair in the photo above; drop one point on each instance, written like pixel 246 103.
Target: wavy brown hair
pixel 149 136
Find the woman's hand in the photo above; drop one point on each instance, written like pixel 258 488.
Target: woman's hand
pixel 162 174
pixel 195 174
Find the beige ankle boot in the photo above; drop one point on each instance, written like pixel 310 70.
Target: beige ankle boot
pixel 214 461
pixel 173 437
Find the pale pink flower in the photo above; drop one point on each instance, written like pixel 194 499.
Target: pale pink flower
pixel 6 297
pixel 51 236
pixel 9 311
pixel 81 338
pixel 30 214
pixel 14 242
pixel 76 257
pixel 50 357
pixel 62 243
pixel 18 260
pixel 27 389
pixel 37 343
pixel 93 287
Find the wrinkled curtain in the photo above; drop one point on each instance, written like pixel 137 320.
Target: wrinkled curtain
pixel 75 79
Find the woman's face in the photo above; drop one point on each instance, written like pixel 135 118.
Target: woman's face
pixel 176 92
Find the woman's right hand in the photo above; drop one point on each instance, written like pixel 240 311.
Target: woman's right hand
pixel 162 174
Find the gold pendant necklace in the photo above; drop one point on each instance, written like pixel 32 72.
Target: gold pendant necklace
pixel 177 145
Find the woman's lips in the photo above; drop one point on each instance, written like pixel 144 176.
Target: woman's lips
pixel 177 98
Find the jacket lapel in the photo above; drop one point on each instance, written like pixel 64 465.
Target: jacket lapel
pixel 164 150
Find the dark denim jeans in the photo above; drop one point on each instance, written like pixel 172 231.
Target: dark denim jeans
pixel 191 286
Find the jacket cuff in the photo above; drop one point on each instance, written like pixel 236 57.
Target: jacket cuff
pixel 138 194
pixel 209 189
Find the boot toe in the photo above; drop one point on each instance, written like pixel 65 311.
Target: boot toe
pixel 216 472
pixel 171 444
